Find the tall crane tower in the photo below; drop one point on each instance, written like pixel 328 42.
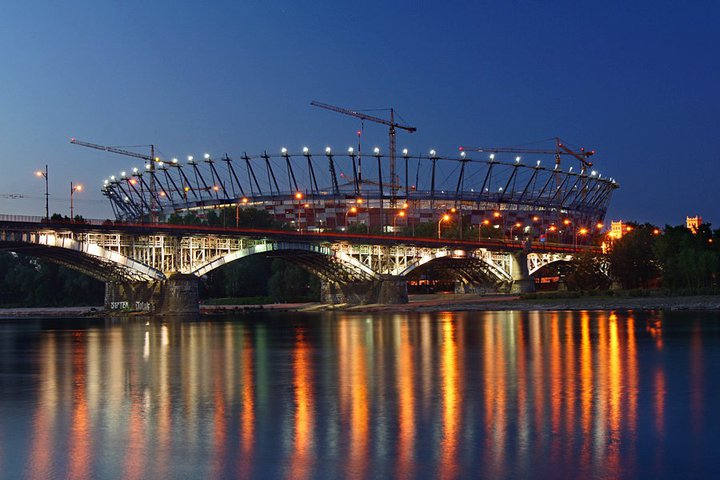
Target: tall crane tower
pixel 392 130
pixel 151 159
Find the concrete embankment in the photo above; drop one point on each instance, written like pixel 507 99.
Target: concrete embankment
pixel 426 303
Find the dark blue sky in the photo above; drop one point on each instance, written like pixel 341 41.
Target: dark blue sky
pixel 637 81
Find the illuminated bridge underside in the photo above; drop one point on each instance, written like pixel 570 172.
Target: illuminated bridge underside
pixel 271 181
pixel 133 257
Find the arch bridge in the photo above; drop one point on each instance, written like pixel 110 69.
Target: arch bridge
pixel 157 267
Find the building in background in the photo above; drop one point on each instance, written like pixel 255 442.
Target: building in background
pixel 693 223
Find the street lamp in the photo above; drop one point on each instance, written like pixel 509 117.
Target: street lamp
pixel 551 228
pixel 444 218
pixel 299 197
pixel 352 210
pixel 485 222
pixel 581 231
pixel 73 189
pixel 44 174
pixel 516 225
pixel 244 201
pixel 400 214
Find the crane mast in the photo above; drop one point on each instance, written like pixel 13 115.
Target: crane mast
pixel 393 126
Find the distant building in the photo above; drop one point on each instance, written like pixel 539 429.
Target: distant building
pixel 693 223
pixel 616 230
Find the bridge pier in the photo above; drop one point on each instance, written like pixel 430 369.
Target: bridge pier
pixel 176 295
pixel 387 290
pixel 522 282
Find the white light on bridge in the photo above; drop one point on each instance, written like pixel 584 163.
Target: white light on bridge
pixel 351 150
pixel 283 150
pixel 306 150
pixel 328 150
pixel 376 150
pixel 433 153
pixel 207 156
pixel 517 159
pixel 405 152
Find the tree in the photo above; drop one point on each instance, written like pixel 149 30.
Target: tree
pixel 586 271
pixel 688 260
pixel 632 258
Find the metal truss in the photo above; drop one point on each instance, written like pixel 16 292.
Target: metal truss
pixel 116 256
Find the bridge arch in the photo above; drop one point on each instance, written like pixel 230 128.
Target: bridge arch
pixel 491 268
pixel 538 261
pixel 320 260
pixel 88 258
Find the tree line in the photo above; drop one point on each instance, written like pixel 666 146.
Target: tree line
pixel 646 257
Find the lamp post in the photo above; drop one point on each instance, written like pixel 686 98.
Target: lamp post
pixel 73 189
pixel 359 201
pixel 581 231
pixel 352 210
pixel 516 225
pixel 44 174
pixel 444 218
pixel 400 214
pixel 244 201
pixel 551 228
pixel 485 222
pixel 299 197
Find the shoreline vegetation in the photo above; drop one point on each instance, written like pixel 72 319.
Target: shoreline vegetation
pixel 549 301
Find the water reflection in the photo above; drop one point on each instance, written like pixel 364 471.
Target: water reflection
pixel 506 394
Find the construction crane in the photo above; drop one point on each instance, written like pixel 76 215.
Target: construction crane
pixel 390 123
pixel 151 159
pixel 561 149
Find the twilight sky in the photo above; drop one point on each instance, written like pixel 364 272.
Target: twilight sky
pixel 637 81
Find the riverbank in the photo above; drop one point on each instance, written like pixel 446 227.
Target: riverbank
pixel 471 302
pixel 426 303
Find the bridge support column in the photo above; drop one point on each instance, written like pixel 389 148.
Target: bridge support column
pixel 176 295
pixel 521 280
pixel 387 290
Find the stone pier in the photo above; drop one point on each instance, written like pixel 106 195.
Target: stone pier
pixel 176 295
pixel 522 282
pixel 387 290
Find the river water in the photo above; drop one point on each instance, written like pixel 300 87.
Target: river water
pixel 447 395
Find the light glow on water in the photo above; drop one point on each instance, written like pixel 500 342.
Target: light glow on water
pixel 489 394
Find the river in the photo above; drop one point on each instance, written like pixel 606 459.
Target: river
pixel 333 395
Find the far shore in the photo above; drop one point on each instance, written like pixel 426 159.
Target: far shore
pixel 422 303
